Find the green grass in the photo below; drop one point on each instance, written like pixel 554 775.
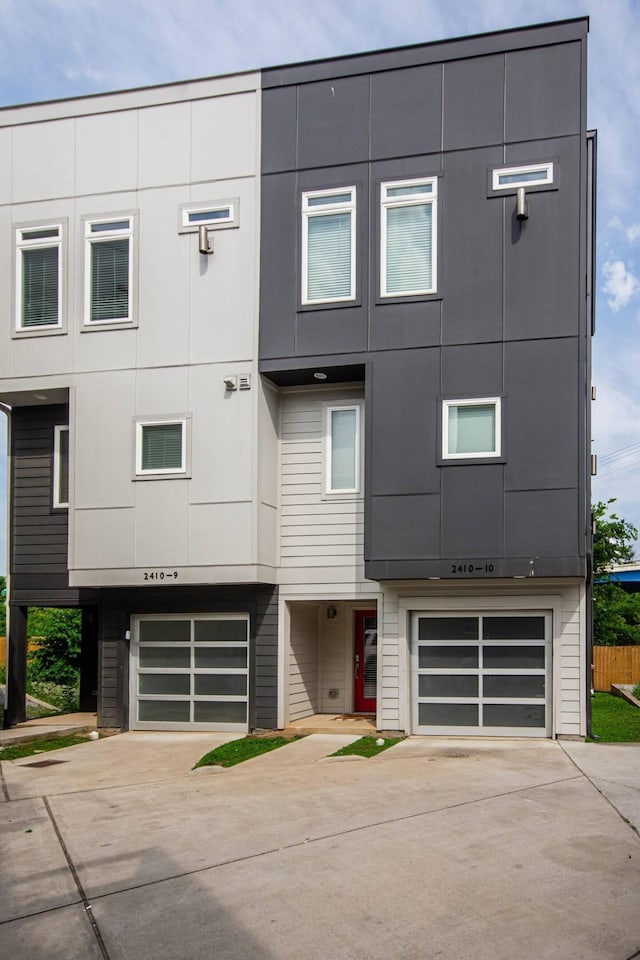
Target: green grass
pixel 237 751
pixel 34 747
pixel 636 691
pixel 614 720
pixel 366 747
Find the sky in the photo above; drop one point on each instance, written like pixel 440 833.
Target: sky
pixel 65 48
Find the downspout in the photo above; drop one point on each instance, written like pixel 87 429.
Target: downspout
pixel 6 409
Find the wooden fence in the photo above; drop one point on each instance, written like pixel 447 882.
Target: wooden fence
pixel 615 665
pixel 33 645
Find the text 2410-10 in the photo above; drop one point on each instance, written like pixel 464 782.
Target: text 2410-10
pixel 471 568
pixel 159 575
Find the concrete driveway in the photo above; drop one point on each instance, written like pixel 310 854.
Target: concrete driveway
pixel 437 848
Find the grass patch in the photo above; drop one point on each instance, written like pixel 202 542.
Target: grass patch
pixel 366 747
pixel 19 750
pixel 636 691
pixel 237 751
pixel 614 720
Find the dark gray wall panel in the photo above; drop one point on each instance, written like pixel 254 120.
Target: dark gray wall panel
pixel 543 292
pixel 472 512
pixel 543 92
pixel 404 528
pixel 264 714
pixel 279 265
pixel 406 111
pixel 333 121
pixel 396 326
pixel 279 129
pixel 334 331
pixel 473 102
pixel 401 417
pixel 543 523
pixel 472 370
pixel 471 249
pixel 542 407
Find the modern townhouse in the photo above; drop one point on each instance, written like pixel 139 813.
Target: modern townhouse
pixel 298 369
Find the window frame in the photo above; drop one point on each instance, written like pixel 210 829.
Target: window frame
pixel 58 430
pixel 20 245
pixel 162 473
pixel 103 236
pixel 323 210
pixel 327 444
pixel 231 221
pixel 522 168
pixel 387 203
pixel 494 454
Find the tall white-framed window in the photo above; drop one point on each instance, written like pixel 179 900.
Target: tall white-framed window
pixel 527 175
pixel 408 237
pixel 471 428
pixel 60 466
pixel 342 442
pixel 38 298
pixel 108 271
pixel 329 245
pixel 161 447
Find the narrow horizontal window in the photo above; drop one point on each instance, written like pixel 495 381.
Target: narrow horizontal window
pixel 342 449
pixel 108 266
pixel 219 214
pixel 61 466
pixel 39 277
pixel 532 175
pixel 471 428
pixel 161 447
pixel 408 237
pixel 328 246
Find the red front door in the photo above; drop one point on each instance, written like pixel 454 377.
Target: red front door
pixel 365 661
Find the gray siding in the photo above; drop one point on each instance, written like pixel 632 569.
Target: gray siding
pixel 510 317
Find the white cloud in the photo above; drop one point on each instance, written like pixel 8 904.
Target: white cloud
pixel 632 232
pixel 621 284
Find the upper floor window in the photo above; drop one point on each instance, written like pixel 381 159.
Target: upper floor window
pixel 61 466
pixel 408 237
pixel 329 245
pixel 531 175
pixel 342 449
pixel 39 277
pixel 108 271
pixel 161 447
pixel 471 428
pixel 223 213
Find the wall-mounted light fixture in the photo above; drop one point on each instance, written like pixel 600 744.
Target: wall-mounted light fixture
pixel 522 207
pixel 205 244
pixel 332 613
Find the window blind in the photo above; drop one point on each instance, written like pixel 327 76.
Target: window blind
pixel 63 467
pixel 409 248
pixel 472 428
pixel 329 256
pixel 40 286
pixel 343 450
pixel 110 280
pixel 162 446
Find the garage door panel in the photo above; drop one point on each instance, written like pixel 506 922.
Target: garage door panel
pixel 448 628
pixel 506 685
pixel 448 685
pixel 448 714
pixel 437 657
pixel 513 628
pixel 513 715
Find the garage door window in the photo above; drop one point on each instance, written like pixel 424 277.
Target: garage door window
pixel 484 674
pixel 191 672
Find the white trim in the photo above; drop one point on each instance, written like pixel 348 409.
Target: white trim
pixel 231 209
pixel 104 236
pixel 323 210
pixel 477 402
pixel 157 422
pixel 429 197
pixel 57 431
pixel 24 243
pixel 545 168
pixel 327 445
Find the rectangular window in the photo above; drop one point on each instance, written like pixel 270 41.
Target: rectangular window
pixel 342 449
pixel 161 447
pixel 471 428
pixel 531 175
pixel 408 237
pixel 61 466
pixel 39 277
pixel 329 246
pixel 108 271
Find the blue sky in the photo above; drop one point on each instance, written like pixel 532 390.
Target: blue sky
pixel 64 48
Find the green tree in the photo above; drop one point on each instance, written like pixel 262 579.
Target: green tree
pixel 616 613
pixel 57 658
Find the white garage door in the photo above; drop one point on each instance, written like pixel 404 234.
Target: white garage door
pixel 486 674
pixel 190 672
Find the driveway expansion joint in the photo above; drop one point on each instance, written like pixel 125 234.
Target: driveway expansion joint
pixel 3 783
pixel 604 796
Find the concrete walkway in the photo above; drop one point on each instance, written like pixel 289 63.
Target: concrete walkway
pixel 436 848
pixel 59 726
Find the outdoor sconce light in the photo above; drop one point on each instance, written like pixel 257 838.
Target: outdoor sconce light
pixel 204 243
pixel 332 613
pixel 522 207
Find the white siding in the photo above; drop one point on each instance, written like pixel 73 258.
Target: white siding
pixel 303 662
